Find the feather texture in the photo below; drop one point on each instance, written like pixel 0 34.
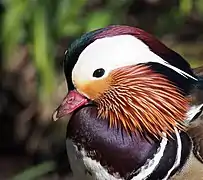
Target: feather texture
pixel 142 100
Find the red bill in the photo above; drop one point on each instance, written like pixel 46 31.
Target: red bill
pixel 71 102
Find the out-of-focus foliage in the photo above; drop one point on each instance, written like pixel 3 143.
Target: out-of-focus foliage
pixel 36 171
pixel 40 24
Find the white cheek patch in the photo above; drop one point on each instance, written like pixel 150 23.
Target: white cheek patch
pixel 114 52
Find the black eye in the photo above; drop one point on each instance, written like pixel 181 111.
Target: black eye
pixel 98 73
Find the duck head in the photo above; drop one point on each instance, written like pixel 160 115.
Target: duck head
pixel 135 81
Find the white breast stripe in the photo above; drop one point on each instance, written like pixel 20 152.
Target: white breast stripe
pixel 151 165
pixel 66 52
pixel 178 156
pixel 79 162
pixel 98 171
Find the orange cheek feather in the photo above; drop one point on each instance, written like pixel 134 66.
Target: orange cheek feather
pixel 139 99
pixel 95 88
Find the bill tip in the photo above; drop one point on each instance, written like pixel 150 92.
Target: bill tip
pixel 54 116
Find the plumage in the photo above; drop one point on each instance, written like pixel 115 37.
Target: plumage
pixel 149 96
pixel 136 108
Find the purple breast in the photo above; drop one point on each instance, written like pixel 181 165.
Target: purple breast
pixel 112 147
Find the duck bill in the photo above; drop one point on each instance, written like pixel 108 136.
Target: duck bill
pixel 70 103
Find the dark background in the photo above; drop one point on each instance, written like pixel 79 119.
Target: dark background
pixel 34 36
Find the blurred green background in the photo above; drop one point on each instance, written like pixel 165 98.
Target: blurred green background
pixel 34 36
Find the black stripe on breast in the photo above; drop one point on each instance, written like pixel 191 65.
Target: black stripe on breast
pixel 186 149
pixel 169 157
pixel 166 161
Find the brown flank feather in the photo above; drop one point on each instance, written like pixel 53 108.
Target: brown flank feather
pixel 140 100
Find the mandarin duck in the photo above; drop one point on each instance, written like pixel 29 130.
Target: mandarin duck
pixel 135 108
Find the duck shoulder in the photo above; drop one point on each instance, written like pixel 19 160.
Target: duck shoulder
pixel 195 128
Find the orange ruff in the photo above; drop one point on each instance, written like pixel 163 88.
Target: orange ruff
pixel 140 99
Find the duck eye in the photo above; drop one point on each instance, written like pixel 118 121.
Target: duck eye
pixel 98 73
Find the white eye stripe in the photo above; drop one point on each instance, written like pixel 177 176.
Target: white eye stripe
pixel 179 71
pixel 114 52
